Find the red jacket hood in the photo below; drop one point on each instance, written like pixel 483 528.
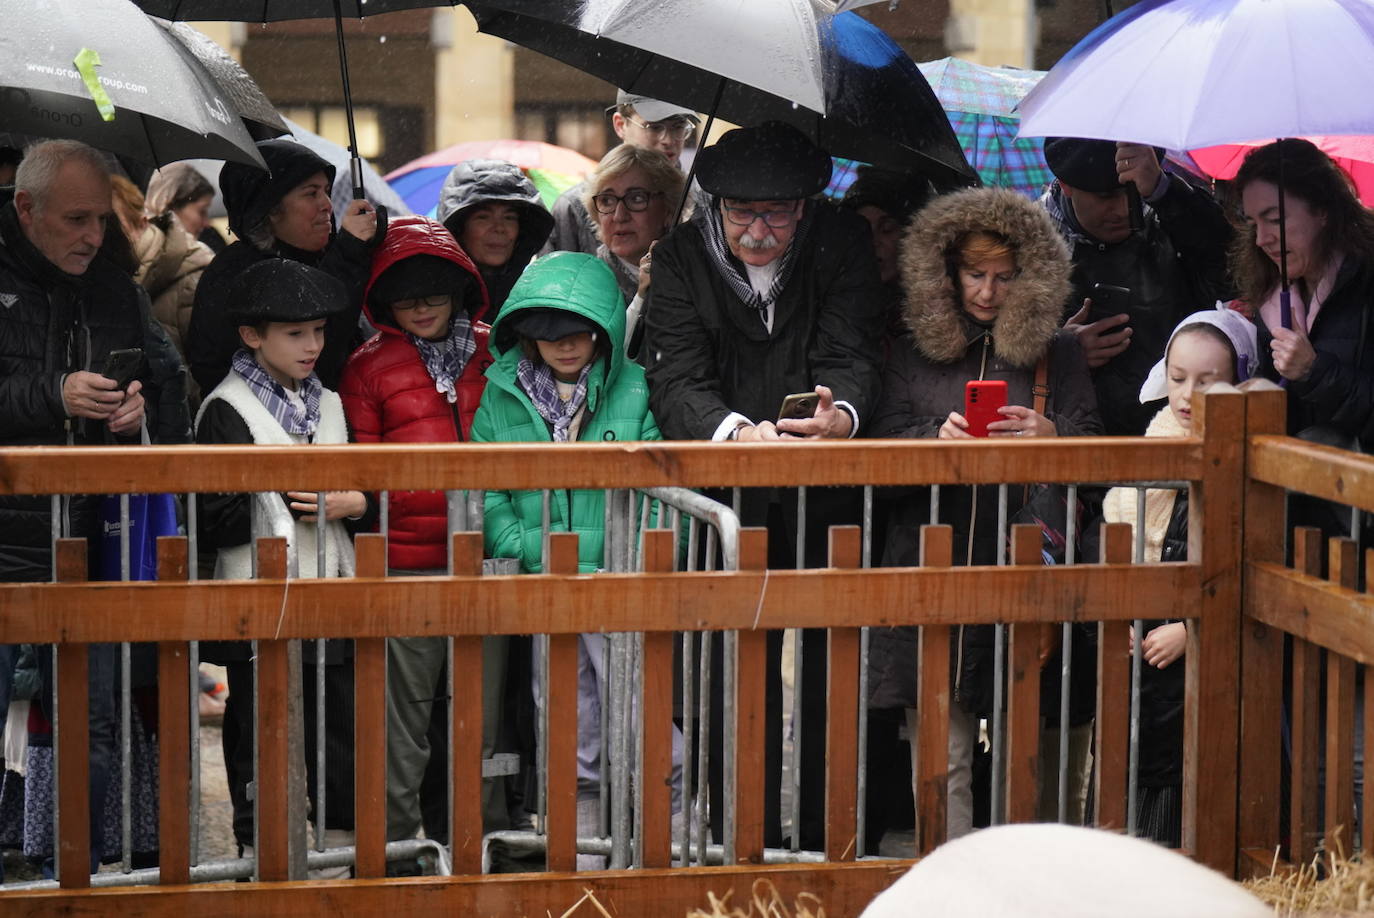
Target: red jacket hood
pixel 407 236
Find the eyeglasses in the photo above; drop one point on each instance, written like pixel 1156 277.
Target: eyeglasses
pixel 435 301
pixel 677 128
pixel 743 216
pixel 635 200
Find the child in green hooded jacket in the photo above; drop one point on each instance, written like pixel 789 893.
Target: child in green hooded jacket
pixel 560 376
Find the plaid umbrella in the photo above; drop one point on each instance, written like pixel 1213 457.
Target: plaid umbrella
pixel 981 102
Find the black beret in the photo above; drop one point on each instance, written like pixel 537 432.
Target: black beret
pixel 771 162
pixel 284 290
pixel 551 324
pixel 1086 164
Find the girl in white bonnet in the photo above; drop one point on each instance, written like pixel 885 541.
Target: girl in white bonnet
pixel 1215 346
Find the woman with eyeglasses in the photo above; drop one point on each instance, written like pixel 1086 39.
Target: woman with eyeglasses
pixel 633 195
pixel 419 380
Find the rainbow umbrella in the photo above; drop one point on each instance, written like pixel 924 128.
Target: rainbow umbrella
pixel 553 169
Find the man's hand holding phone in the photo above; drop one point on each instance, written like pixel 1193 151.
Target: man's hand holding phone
pixel 1102 339
pixel 828 422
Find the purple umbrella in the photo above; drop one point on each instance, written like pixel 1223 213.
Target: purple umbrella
pixel 1184 74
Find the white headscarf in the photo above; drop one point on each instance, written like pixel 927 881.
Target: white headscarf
pixel 1239 330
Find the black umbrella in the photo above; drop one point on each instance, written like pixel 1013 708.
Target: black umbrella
pixel 259 115
pixel 102 72
pixel 878 108
pixel 279 10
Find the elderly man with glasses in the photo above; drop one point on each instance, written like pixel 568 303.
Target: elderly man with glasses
pixel 768 293
pixel 639 121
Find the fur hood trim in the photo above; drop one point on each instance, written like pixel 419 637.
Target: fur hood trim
pixel 1034 306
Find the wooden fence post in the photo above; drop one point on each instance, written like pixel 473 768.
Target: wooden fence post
pixel 1261 649
pixel 841 717
pixel 174 733
pixel 73 740
pixel 933 700
pixel 369 726
pixel 1212 704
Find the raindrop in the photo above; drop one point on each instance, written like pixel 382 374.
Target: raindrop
pixel 381 39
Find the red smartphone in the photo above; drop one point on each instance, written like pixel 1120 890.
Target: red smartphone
pixel 982 398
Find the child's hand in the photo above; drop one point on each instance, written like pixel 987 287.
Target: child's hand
pixel 337 504
pixel 1165 644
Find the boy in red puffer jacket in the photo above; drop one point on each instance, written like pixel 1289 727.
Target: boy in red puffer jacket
pixel 419 380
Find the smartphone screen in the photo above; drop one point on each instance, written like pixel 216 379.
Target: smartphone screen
pixel 982 398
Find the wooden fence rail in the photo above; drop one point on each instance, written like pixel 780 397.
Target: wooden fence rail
pixel 1207 590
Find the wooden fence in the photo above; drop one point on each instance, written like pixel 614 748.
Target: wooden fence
pixel 1231 799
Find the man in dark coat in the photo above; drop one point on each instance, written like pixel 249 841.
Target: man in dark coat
pixel 283 213
pixel 66 307
pixel 1169 252
pixel 767 293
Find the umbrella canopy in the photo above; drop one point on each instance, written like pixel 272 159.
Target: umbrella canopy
pixel 279 10
pixel 874 104
pixel 1353 154
pixel 102 72
pixel 1184 74
pixel 553 169
pixel 276 10
pixel 981 104
pixel 259 115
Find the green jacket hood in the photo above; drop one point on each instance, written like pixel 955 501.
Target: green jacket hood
pixel 571 281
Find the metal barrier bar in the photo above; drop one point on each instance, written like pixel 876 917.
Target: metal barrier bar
pixel 1137 640
pixel 1066 664
pixel 193 574
pixel 866 562
pixel 126 757
pixel 999 670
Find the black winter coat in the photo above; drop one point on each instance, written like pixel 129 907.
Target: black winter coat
pixel 213 339
pixel 708 353
pixel 52 324
pixel 1173 267
pixel 1339 389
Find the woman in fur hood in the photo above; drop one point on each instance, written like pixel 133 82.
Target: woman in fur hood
pixel 985 276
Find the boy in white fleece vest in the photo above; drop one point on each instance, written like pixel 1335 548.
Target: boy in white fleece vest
pixel 272 396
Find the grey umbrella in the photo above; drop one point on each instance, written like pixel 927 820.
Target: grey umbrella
pixel 102 72
pixel 259 115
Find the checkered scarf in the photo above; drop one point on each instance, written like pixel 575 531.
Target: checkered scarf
pixel 445 359
pixel 536 380
pixel 713 231
pixel 275 398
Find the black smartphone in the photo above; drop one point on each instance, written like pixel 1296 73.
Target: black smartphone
pixel 123 366
pixel 799 406
pixel 1108 300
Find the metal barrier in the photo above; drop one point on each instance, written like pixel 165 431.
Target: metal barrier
pixel 649 591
